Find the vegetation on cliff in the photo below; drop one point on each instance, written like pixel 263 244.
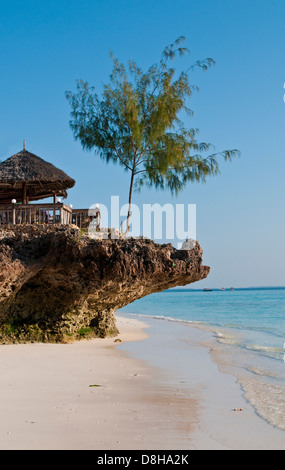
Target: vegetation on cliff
pixel 137 123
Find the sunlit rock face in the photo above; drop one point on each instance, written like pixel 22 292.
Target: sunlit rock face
pixel 58 285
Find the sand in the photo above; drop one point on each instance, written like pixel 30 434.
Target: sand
pixel 141 393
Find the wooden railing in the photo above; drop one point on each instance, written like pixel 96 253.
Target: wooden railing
pixel 14 214
pixel 81 218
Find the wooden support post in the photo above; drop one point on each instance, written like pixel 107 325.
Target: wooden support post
pixel 24 193
pixel 54 211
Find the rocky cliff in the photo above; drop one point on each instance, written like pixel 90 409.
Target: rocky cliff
pixel 57 284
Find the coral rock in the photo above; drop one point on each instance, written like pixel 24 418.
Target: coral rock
pixel 57 284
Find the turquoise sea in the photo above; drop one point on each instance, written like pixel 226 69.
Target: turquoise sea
pixel 248 330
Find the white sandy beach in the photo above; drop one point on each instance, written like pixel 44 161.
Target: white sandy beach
pixel 150 395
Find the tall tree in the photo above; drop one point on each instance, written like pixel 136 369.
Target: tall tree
pixel 137 123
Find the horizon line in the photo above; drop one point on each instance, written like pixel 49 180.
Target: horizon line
pixel 228 288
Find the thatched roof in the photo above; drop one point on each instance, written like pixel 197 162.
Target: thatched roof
pixel 42 178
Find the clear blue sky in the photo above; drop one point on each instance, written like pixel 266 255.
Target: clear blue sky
pixel 47 45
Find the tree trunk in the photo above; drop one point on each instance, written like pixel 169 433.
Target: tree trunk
pixel 130 202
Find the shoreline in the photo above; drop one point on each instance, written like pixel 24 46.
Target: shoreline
pixel 185 353
pixel 157 389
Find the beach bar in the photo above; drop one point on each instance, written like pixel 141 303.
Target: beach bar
pixel 25 178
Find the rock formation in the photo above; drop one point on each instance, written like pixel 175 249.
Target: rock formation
pixel 57 284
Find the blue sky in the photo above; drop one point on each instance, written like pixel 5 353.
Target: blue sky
pixel 46 46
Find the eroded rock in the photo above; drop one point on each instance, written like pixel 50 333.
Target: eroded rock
pixel 57 284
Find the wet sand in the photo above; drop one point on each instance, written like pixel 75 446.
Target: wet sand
pixel 182 354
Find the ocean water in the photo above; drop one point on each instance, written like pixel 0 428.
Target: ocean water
pixel 247 328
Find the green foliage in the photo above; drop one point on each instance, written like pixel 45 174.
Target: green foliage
pixel 18 330
pixel 84 332
pixel 136 123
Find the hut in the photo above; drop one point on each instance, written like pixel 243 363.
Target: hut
pixel 25 177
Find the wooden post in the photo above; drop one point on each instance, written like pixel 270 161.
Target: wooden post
pixel 24 193
pixel 54 210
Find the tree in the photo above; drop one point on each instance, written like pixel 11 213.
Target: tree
pixel 137 123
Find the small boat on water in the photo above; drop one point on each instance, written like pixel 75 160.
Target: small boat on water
pixel 207 290
pixel 232 288
pixel 222 288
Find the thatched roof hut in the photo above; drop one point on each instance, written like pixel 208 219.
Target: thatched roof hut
pixel 27 177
